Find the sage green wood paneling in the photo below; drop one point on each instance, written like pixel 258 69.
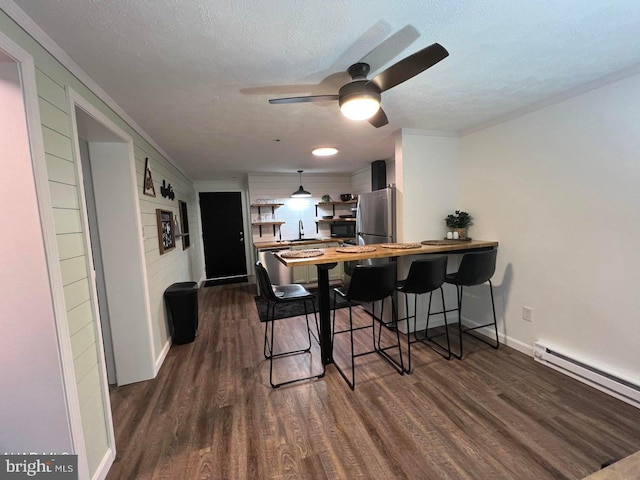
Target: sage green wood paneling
pixel 51 91
pixel 54 118
pixel 60 170
pixel 56 144
pixel 70 245
pixel 82 340
pixel 73 269
pixel 88 385
pixel 79 316
pixel 76 293
pixel 64 196
pixel 67 221
pixel 85 361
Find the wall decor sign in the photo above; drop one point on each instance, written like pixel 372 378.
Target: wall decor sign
pixel 166 235
pixel 167 191
pixel 147 182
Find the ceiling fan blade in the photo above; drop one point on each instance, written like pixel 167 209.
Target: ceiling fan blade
pixel 379 119
pixel 410 66
pixel 311 98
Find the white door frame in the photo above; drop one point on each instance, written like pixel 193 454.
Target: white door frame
pixel 134 352
pixel 26 67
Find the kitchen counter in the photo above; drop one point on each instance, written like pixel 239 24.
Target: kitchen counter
pixel 288 243
pixel 332 256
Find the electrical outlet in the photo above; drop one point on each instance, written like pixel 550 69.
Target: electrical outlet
pixel 527 314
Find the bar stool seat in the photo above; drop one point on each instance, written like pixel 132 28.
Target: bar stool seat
pixel 370 283
pixel 425 276
pixel 476 268
pixel 275 295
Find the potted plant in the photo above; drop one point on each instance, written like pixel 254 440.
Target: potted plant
pixel 459 222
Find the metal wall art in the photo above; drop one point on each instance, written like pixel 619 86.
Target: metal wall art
pixel 147 183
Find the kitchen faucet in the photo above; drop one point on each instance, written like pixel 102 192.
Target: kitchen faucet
pixel 300 229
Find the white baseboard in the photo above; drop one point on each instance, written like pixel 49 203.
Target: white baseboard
pixel 161 357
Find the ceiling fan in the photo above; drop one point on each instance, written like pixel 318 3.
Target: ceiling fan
pixel 360 98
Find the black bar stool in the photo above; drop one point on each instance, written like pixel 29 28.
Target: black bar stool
pixel 425 276
pixel 476 268
pixel 275 295
pixel 370 283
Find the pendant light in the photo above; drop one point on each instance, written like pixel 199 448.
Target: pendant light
pixel 301 192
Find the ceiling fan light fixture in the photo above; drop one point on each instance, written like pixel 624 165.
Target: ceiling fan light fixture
pixel 301 192
pixel 359 100
pixel 324 151
pixel 360 108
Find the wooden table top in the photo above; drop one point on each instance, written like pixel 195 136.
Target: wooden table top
pixel 628 469
pixel 331 256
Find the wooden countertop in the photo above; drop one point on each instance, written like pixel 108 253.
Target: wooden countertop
pixel 331 256
pixel 628 469
pixel 287 243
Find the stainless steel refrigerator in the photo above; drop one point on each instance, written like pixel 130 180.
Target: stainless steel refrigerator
pixel 375 217
pixel 375 223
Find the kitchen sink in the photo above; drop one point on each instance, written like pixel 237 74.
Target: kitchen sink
pixel 304 240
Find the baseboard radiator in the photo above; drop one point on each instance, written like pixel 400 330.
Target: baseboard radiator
pixel 613 385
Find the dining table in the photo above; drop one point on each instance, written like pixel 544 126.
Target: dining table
pixel 328 258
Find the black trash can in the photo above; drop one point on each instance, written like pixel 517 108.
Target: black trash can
pixel 181 300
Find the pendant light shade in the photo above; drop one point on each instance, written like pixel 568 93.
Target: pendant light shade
pixel 301 192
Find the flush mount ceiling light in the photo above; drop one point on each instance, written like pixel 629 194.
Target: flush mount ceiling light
pixel 301 192
pixel 324 151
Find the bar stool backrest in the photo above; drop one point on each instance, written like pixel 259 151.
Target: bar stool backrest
pixel 476 267
pixel 264 283
pixel 425 275
pixel 372 282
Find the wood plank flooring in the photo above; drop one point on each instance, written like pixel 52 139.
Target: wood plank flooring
pixel 210 413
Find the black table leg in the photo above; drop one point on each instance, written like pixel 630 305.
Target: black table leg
pixel 326 340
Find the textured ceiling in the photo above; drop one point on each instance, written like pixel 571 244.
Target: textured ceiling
pixel 196 75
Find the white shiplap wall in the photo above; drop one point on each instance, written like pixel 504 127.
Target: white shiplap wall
pixel 68 225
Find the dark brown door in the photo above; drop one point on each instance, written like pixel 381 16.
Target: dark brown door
pixel 223 234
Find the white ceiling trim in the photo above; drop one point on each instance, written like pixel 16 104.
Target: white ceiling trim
pixel 32 28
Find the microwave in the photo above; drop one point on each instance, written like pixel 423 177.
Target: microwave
pixel 344 229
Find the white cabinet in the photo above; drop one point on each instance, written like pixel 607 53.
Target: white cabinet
pixel 309 273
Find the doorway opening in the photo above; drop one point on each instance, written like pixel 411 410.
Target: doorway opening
pixel 111 212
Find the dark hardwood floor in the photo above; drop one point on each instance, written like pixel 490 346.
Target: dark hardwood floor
pixel 210 413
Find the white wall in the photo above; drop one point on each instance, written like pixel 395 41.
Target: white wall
pixel 560 189
pixel 426 177
pixel 33 410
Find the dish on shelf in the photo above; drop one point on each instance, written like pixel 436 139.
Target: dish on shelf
pixel 347 216
pixel 327 217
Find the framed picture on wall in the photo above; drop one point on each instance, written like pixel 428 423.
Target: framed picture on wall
pixel 166 234
pixel 147 182
pixel 184 221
